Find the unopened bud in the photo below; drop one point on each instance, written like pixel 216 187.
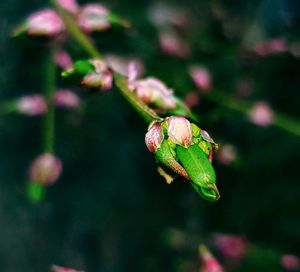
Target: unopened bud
pixel 66 99
pixel 290 262
pixel 130 67
pixel 56 268
pixel 201 77
pixel 233 247
pixel 153 91
pixel 31 105
pixel 63 60
pixel 100 79
pixel 69 5
pixel 262 114
pixel 154 137
pixel 227 154
pixel 180 130
pixel 45 169
pixel 210 263
pixel 172 44
pixel 44 23
pixel 94 17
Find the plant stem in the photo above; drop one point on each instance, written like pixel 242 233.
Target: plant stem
pixel 83 40
pixel 280 121
pixel 49 89
pixel 36 191
pixel 147 113
pixel 86 43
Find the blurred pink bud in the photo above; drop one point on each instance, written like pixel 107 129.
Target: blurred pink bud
pixel 201 77
pixel 231 246
pixel 154 137
pixel 226 154
pixel 66 99
pixel 45 23
pixel 162 15
pixel 101 79
pixel 206 136
pixel 56 268
pixel 172 44
pixel 45 169
pixel 271 46
pixel 153 91
pixel 63 60
pixel 210 263
pixel 290 262
pixel 93 17
pixel 69 5
pixel 180 130
pixel 32 105
pixel 192 99
pixel 262 114
pixel 132 68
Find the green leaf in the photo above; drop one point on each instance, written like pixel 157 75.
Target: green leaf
pixel 83 67
pixel 164 156
pixel 200 171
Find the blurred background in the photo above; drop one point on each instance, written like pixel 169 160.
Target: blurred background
pixel 111 211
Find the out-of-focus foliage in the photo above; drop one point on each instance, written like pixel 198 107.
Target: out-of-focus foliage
pixel 111 211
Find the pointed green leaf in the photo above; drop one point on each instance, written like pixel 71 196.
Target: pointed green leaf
pixel 200 171
pixel 164 156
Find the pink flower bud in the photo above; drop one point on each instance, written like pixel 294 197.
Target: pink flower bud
pixel 271 46
pixel 192 99
pixel 180 130
pixel 262 114
pixel 56 268
pixel 201 77
pixel 63 60
pixel 290 262
pixel 154 137
pixel 152 90
pixel 45 169
pixel 172 44
pixel 69 5
pixel 131 67
pixel 226 154
pixel 66 99
pixel 210 263
pixel 101 79
pixel 32 105
pixel 44 23
pixel 93 17
pixel 231 246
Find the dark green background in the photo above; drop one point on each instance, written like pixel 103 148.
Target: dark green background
pixel 111 211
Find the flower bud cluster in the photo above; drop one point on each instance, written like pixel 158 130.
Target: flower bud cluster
pixel 89 17
pixel 177 134
pixel 155 93
pixel 178 130
pixel 34 105
pixel 93 74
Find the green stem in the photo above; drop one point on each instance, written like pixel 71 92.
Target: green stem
pixel 82 39
pixel 49 121
pixel 86 43
pixel 147 113
pixel 280 121
pixel 36 191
